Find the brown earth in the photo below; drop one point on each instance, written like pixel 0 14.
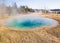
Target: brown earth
pixel 44 35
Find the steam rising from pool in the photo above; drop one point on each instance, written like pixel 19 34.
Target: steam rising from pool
pixel 29 21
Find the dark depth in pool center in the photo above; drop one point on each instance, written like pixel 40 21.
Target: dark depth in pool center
pixel 26 23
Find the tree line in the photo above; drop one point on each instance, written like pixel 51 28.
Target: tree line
pixel 12 10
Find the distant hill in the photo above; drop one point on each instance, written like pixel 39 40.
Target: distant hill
pixel 55 9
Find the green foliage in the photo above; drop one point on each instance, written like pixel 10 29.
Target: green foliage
pixel 26 9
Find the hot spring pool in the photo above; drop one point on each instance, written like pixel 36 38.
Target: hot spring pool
pixel 27 22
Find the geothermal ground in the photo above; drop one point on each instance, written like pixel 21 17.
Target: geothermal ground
pixel 42 35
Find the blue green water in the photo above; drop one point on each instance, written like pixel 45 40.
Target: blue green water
pixel 26 23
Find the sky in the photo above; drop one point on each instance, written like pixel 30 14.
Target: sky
pixel 35 4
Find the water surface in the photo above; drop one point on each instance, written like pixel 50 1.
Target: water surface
pixel 27 22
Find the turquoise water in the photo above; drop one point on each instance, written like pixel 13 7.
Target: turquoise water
pixel 26 23
pixel 29 22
